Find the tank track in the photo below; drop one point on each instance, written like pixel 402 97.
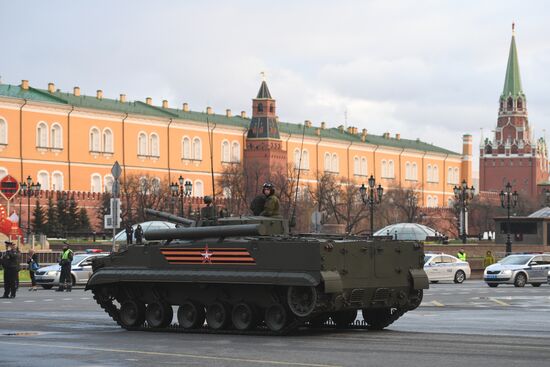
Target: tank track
pixel 108 306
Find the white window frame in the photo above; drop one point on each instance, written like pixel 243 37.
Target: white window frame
pixel 142 148
pixel 226 151
pixel 356 166
pixel 186 147
pixel 3 172
pixel 196 185
pixel 92 183
pixel 44 185
pixel 235 152
pixel 53 179
pixel 108 181
pixel 42 138
pixel 154 145
pixel 197 148
pixel 107 131
pixel 95 140
pixel 327 162
pixel 335 163
pixel 3 131
pixel 56 136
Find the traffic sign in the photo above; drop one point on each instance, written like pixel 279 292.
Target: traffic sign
pixel 116 170
pixel 9 187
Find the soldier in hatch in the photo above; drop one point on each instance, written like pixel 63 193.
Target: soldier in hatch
pixel 208 212
pixel 271 205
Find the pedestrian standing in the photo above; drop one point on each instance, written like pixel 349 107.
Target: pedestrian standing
pixel 129 234
pixel 10 264
pixel 461 255
pixel 65 280
pixel 489 259
pixel 33 266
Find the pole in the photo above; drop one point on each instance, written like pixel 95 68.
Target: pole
pixel 508 239
pixel 28 215
pixel 371 204
pixel 113 213
pixel 463 218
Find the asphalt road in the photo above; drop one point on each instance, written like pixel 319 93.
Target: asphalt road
pixel 456 325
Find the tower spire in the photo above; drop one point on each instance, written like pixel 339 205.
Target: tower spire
pixel 512 81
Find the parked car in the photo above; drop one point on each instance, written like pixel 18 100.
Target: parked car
pixel 441 267
pixel 81 269
pixel 519 269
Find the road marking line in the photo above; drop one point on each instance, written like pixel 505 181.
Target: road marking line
pixel 29 301
pixel 67 299
pixel 499 301
pixel 6 301
pixel 193 356
pixel 437 304
pixel 48 300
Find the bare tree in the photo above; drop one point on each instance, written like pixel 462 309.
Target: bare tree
pixel 141 192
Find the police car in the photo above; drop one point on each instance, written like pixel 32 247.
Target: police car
pixel 519 269
pixel 440 267
pixel 81 269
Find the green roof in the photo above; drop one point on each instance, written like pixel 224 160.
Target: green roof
pixel 512 82
pixel 140 108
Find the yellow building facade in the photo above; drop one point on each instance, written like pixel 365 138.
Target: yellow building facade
pixel 69 141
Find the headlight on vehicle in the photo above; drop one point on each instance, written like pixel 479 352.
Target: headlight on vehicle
pixel 507 272
pixel 52 272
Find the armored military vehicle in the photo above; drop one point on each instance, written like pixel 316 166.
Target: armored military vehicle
pixel 248 274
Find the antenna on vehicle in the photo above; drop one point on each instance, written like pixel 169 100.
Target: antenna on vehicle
pixel 210 148
pixel 293 216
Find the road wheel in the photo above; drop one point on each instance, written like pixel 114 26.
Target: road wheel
pixel 344 318
pixel 415 299
pixel 302 300
pixel 520 280
pixel 159 314
pixel 47 286
pixel 492 285
pixel 217 316
pixel 244 316
pixel 132 313
pixel 460 276
pixel 536 284
pixel 276 317
pixel 191 315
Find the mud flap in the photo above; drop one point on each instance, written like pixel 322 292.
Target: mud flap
pixel 419 279
pixel 333 281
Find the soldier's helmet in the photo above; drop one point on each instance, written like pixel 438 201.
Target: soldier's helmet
pixel 207 199
pixel 270 186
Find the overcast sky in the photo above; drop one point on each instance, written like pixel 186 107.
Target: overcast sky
pixel 426 69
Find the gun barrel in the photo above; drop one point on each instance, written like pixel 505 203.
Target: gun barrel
pixel 170 217
pixel 239 230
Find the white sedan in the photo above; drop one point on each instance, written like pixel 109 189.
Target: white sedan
pixel 81 270
pixel 440 267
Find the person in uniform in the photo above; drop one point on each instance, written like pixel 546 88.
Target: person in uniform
pixel 461 255
pixel 10 262
pixel 65 280
pixel 257 204
pixel 489 259
pixel 138 233
pixel 129 234
pixel 33 265
pixel 271 205
pixel 208 212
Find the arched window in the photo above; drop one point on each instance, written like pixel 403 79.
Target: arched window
pixel 260 107
pixel 96 183
pixel 455 175
pixel 186 148
pixel 142 144
pixel 510 105
pixel 154 138
pixel 297 158
pixel 271 108
pixel 197 149
pixel 3 131
pixel 363 166
pixel 235 152
pixel 384 169
pixel 155 185
pixel 198 189
pixel 305 159
pixel 335 163
pixel 430 201
pixel 520 104
pixel 430 175
pixel 94 140
pixel 450 178
pixel 56 136
pixel 435 173
pixel 356 166
pixel 435 202
pixel 108 183
pixel 44 180
pixel 108 141
pixel 144 185
pixel 3 172
pixel 391 172
pixel 408 174
pixel 57 181
pixel 327 162
pixel 414 171
pixel 226 151
pixel 42 135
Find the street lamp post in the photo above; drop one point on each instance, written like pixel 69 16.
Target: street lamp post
pixel 371 196
pixel 508 200
pixel 29 189
pixel 463 194
pixel 181 189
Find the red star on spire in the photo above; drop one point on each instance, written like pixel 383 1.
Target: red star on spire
pixel 206 256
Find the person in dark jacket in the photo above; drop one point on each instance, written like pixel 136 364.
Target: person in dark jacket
pixel 271 205
pixel 32 263
pixel 138 233
pixel 65 279
pixel 129 234
pixel 11 264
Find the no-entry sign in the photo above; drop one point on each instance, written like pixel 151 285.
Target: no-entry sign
pixel 9 187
